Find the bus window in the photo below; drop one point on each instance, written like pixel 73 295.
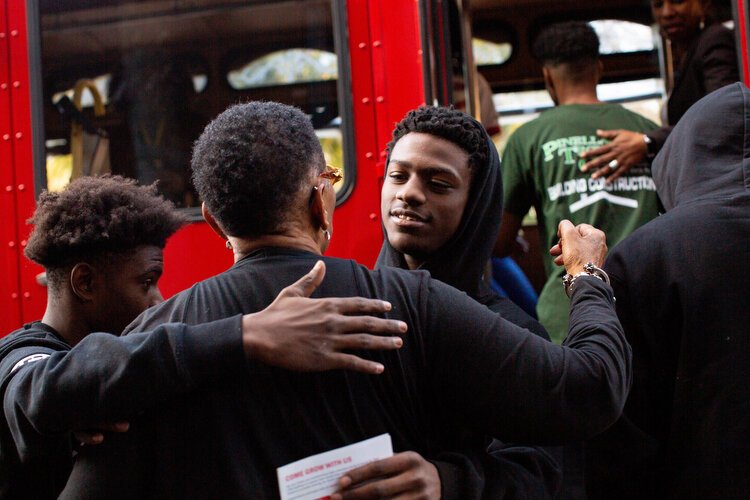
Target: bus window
pixel 295 66
pixel 487 53
pixel 161 70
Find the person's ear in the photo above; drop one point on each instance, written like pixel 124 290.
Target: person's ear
pixel 212 222
pixel 82 278
pixel 318 209
pixel 599 70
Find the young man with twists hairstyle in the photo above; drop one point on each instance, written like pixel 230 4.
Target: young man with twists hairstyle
pixel 100 242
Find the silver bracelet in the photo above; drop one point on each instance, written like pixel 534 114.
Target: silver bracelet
pixel 588 270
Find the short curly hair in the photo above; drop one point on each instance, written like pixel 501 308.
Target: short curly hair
pixel 94 217
pixel 449 124
pixel 572 42
pixel 251 161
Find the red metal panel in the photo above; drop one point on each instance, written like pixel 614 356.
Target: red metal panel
pixel 386 70
pixel 357 232
pixel 10 296
pixel 742 20
pixel 399 79
pixel 193 254
pixel 33 295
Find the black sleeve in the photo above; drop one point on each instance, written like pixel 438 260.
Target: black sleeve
pixel 46 459
pixel 505 382
pixel 501 471
pixel 513 313
pixel 659 137
pixel 107 378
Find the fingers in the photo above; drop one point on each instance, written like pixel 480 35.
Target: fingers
pixel 588 231
pixel 357 305
pixel 89 437
pixel 606 165
pixel 370 324
pixel 600 164
pixel 340 361
pixel 306 285
pixel 114 427
pixel 404 475
pixel 363 341
pixel 565 226
pixel 373 470
pixel 93 437
pixel 608 134
pixel 603 149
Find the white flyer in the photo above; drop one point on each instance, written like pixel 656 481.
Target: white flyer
pixel 316 477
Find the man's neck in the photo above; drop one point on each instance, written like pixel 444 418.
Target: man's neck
pixel 243 246
pixel 65 322
pixel 579 98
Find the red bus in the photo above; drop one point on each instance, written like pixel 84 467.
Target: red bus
pixel 145 76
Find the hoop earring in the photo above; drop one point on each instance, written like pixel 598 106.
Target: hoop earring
pixel 328 234
pixel 702 23
pixel 228 245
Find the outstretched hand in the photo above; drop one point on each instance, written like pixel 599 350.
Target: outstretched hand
pixel 303 334
pixel 403 476
pixel 625 150
pixel 578 245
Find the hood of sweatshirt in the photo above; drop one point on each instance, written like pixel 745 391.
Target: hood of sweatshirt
pixel 462 260
pixel 707 154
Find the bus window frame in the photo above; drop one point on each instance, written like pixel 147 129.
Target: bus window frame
pixel 36 91
pixel 193 214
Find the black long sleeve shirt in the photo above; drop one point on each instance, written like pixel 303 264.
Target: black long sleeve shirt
pixel 461 366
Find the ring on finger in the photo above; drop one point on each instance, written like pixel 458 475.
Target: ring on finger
pixel 613 164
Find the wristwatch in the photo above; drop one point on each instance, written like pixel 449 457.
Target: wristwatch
pixel 588 270
pixel 649 146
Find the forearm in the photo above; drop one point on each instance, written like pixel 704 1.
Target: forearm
pixel 107 378
pixel 506 382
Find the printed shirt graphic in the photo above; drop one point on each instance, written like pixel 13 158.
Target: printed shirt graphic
pixel 541 168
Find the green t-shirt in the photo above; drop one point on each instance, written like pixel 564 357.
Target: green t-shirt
pixel 540 168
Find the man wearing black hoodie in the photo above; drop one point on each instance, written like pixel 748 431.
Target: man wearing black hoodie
pixel 682 284
pixel 433 220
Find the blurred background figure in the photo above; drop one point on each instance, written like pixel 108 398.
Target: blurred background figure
pixel 702 58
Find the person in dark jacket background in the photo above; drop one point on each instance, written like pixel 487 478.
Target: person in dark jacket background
pixel 705 59
pixel 682 283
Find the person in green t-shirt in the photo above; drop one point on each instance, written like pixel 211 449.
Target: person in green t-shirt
pixel 541 164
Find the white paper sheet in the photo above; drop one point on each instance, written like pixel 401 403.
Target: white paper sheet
pixel 315 477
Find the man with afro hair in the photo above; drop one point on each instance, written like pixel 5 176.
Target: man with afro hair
pixel 100 241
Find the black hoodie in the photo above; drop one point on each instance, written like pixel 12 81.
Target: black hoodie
pixel 461 262
pixel 517 472
pixel 682 284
